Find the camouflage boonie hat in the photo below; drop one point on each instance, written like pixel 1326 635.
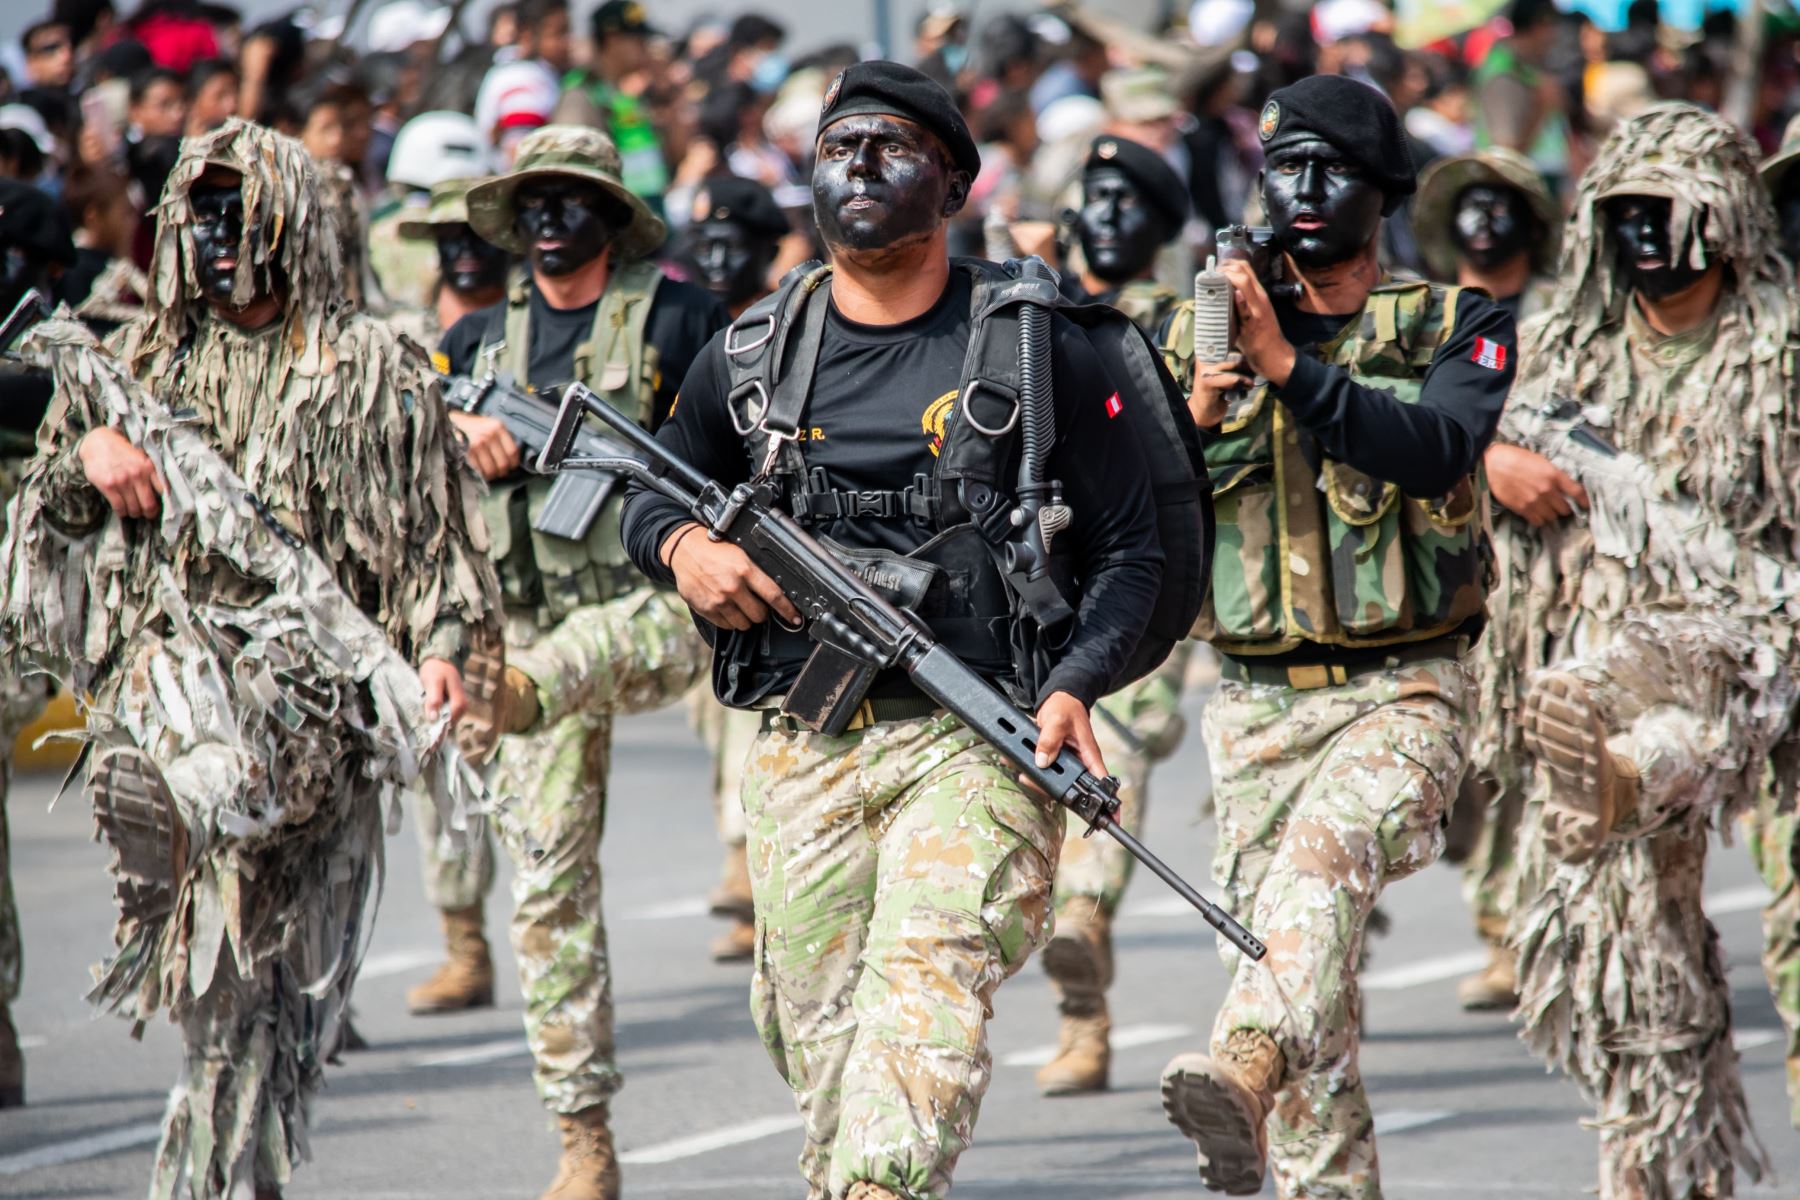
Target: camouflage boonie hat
pixel 1775 168
pixel 572 152
pixel 449 205
pixel 1434 208
pixel 1138 94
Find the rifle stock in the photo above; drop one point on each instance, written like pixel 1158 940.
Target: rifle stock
pixel 859 632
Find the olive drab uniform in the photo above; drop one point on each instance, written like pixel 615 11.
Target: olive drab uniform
pixel 597 640
pixel 1331 782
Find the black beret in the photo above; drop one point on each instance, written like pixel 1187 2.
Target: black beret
pixel 1353 117
pixel 743 201
pixel 1150 171
pixel 30 219
pixel 890 89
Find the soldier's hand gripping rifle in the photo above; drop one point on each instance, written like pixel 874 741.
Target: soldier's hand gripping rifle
pixel 859 633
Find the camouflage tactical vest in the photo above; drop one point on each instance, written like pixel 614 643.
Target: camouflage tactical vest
pixel 1333 556
pixel 553 576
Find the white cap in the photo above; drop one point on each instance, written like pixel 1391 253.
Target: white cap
pixel 400 23
pixel 26 118
pixel 1335 20
pixel 1219 22
pixel 1071 117
pixel 436 146
pixel 516 94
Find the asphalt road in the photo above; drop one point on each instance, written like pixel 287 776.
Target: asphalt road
pixel 443 1107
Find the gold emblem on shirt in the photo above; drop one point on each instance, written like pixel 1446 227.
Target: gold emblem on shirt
pixel 932 422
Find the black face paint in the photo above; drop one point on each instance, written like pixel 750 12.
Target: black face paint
pixel 566 223
pixel 1323 208
pixel 1120 231
pixel 1492 225
pixel 879 181
pixel 218 231
pixel 1787 213
pixel 1640 232
pixel 733 262
pixel 468 261
pixel 21 270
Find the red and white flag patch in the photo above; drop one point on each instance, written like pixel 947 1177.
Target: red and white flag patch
pixel 1489 354
pixel 1114 406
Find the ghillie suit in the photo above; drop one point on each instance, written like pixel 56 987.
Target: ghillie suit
pixel 241 752
pixel 1670 608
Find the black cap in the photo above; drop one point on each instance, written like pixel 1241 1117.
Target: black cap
pixel 620 16
pixel 1150 171
pixel 742 201
pixel 1353 117
pixel 30 219
pixel 891 90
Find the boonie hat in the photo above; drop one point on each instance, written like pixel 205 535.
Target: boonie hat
pixel 449 205
pixel 1434 208
pixel 569 152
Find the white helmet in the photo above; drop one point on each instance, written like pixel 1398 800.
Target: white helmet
pixel 436 146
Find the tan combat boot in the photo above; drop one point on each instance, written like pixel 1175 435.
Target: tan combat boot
pixel 736 944
pixel 466 980
pixel 1222 1105
pixel 589 1168
pixel 1591 788
pixel 731 898
pixel 1495 986
pixel 871 1191
pixel 1079 962
pixel 12 1064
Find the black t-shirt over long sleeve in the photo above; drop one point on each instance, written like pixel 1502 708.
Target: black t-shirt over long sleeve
pixel 875 421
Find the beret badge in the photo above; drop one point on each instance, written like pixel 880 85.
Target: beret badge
pixel 1271 120
pixel 831 93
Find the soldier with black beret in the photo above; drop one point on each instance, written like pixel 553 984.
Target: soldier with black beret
pixel 1347 433
pixel 732 239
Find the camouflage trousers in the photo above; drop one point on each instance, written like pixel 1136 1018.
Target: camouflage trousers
pixel 1490 872
pixel 1137 727
pixel 901 873
pixel 458 869
pixel 12 950
pixel 1777 858
pixel 728 733
pixel 1324 797
pixel 636 653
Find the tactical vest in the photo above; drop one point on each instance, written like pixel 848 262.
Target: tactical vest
pixel 552 576
pixel 1147 303
pixel 955 581
pixel 1330 555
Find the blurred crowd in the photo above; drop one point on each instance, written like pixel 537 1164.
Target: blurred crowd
pixel 94 101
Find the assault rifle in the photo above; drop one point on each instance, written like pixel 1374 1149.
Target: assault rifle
pixel 574 500
pixel 857 631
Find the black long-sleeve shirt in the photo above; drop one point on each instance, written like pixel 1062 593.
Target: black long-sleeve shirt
pixel 875 422
pixel 1425 447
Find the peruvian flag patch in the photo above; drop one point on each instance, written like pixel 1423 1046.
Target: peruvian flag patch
pixel 1489 354
pixel 1114 406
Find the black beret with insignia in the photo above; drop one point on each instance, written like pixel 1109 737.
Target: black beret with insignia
pixel 1353 117
pixel 743 202
pixel 1149 171
pixel 889 89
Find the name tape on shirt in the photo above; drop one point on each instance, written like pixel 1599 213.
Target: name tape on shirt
pixel 1489 354
pixel 1114 405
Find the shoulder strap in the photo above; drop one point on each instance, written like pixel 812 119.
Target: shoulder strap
pixel 616 344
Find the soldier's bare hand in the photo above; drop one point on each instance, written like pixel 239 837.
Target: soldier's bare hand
pixel 492 450
pixel 443 685
pixel 1527 483
pixel 1063 721
pixel 123 473
pixel 719 581
pixel 1259 338
pixel 1213 385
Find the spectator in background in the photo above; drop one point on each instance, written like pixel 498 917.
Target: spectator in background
pixel 158 105
pixel 521 89
pixel 92 25
pixel 98 203
pixel 1008 61
pixel 49 55
pixel 177 33
pixel 731 118
pixel 608 95
pixel 212 95
pixel 1440 119
pixel 1518 106
pixel 1222 169
pixel 1076 72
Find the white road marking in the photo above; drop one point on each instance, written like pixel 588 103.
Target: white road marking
pixel 33 1042
pixel 482 1052
pixel 669 910
pixel 375 966
pixel 705 1143
pixel 1744 899
pixel 57 1154
pixel 1162 906
pixel 1427 970
pixel 1750 1039
pixel 1123 1038
pixel 1389 1123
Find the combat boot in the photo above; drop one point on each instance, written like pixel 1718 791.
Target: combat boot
pixel 871 1191
pixel 1079 961
pixel 1083 1061
pixel 1223 1104
pixel 1495 986
pixel 731 898
pixel 466 979
pixel 1592 790
pixel 12 1064
pixel 736 944
pixel 589 1168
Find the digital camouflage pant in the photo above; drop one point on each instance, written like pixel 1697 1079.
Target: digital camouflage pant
pixel 1323 798
pixel 728 733
pixel 633 654
pixel 458 871
pixel 1777 858
pixel 1137 727
pixel 901 873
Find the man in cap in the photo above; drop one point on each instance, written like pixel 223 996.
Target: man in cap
pixel 240 769
pixel 901 871
pixel 1487 220
pixel 429 149
pixel 1132 206
pixel 1346 443
pixel 470 272
pixel 34 243
pixel 587 636
pixel 599 95
pixel 1640 680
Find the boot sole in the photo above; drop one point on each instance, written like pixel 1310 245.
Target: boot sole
pixel 136 814
pixel 486 1000
pixel 1563 734
pixel 1070 1088
pixel 1225 1134
pixel 1070 961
